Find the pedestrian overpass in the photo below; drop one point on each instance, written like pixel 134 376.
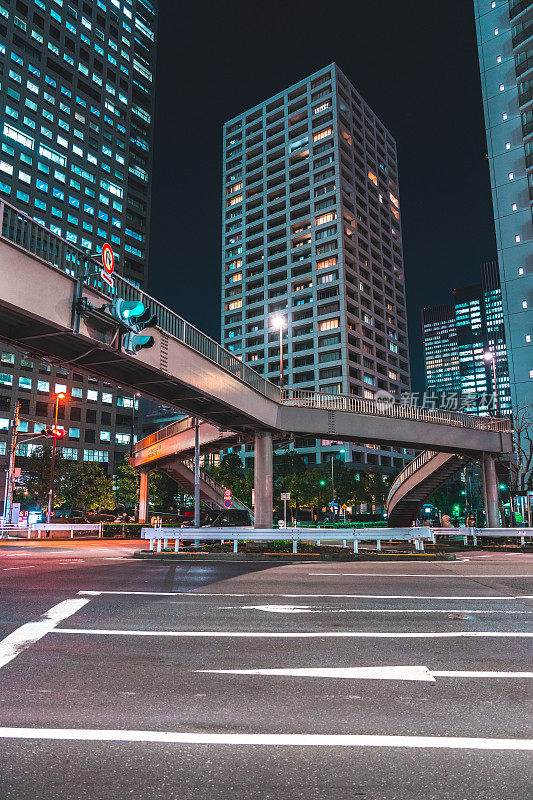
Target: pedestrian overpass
pixel 43 278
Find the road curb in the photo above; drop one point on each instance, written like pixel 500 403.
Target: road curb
pixel 289 557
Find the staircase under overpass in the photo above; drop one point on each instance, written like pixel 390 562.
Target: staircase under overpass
pixel 418 481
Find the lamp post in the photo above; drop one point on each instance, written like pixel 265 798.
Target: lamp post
pixel 59 396
pixel 132 431
pixel 279 322
pixel 490 356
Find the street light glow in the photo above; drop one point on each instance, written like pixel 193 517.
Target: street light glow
pixel 488 356
pixel 278 322
pixel 60 395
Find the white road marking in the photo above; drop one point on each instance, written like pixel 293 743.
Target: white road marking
pixel 31 632
pixel 451 575
pixel 477 597
pixel 294 635
pixel 26 566
pixel 271 739
pixel 389 673
pixel 281 609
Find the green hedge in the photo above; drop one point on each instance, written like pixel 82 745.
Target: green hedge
pixel 131 530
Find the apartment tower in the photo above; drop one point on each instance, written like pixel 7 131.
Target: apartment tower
pixel 312 234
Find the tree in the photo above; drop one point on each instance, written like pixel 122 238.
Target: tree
pixel 36 481
pixel 86 486
pixel 521 462
pixel 162 492
pixel 373 487
pixel 126 485
pixel 232 475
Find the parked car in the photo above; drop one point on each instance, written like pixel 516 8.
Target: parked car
pixel 221 518
pixel 75 516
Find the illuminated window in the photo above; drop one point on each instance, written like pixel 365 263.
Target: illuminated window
pixel 514 206
pixel 233 305
pixel 327 262
pixel 234 200
pixel 502 87
pixel 326 218
pixel 43 386
pixel 511 176
pixel 504 115
pixel 372 178
pixel 520 270
pixel 528 338
pixel 60 387
pixel 507 145
pixel 499 60
pixel 517 237
pixel 496 31
pixel 322 134
pixel 328 324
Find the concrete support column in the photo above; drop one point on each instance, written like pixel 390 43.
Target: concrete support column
pixel 490 487
pixel 143 496
pixel 263 482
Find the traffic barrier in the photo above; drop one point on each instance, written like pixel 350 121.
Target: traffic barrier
pixel 58 527
pixel 159 537
pixel 486 533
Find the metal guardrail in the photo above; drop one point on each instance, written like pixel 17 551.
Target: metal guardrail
pixel 159 537
pixel 347 402
pixel 165 433
pixel 20 229
pixel 486 533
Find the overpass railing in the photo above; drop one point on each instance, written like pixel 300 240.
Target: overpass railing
pixel 414 465
pixel 347 402
pixel 20 229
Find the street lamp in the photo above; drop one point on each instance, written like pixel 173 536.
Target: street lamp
pixel 59 396
pixel 490 356
pixel 279 322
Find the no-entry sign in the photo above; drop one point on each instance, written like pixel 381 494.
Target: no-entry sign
pixel 108 264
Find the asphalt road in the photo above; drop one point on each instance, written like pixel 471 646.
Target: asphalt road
pixel 205 680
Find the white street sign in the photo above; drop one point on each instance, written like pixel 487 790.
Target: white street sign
pixel 285 495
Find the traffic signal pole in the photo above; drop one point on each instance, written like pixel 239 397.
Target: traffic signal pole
pixel 8 494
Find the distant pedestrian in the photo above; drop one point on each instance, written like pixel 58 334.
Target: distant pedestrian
pixel 470 521
pixel 446 521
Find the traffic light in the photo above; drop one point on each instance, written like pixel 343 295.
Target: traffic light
pixel 133 316
pixel 54 433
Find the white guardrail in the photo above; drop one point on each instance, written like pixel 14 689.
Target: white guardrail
pixel 161 536
pixel 54 527
pixel 486 533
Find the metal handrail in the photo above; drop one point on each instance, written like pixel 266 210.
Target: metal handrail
pixel 353 404
pixel 414 465
pixel 20 229
pixel 164 433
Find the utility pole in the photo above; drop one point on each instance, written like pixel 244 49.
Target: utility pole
pixel 8 495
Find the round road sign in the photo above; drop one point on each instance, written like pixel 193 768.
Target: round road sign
pixel 227 503
pixel 227 492
pixel 108 259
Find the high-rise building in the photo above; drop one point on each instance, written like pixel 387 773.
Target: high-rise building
pixel 76 102
pixel 458 339
pixel 505 47
pixel 311 232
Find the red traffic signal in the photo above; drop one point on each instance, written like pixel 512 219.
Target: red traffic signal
pixel 54 433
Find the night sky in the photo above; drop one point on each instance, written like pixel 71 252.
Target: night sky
pixel 417 70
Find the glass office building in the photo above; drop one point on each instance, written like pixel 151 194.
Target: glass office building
pixel 76 102
pixel 312 233
pixel 505 46
pixel 456 338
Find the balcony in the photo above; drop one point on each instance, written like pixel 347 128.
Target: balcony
pixel 518 7
pixel 523 35
pixel 527 128
pixel 525 97
pixel 524 66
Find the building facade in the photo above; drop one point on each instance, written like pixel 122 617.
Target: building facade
pixel 77 121
pixel 457 338
pixel 505 46
pixel 312 232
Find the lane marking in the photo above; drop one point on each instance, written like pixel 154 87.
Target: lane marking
pixel 304 635
pixel 477 597
pixel 451 575
pixel 272 739
pixel 31 632
pixel 389 673
pixel 26 566
pixel 281 609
